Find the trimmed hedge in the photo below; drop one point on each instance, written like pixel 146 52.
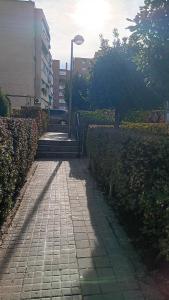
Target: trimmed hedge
pixel 18 144
pixel 34 112
pixel 98 117
pixel 148 128
pixel 132 166
pixel 142 116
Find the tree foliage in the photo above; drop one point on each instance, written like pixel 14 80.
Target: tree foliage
pixel 115 81
pixel 80 86
pixel 5 105
pixel 150 41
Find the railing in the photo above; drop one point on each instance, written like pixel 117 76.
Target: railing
pixel 77 126
pixel 78 133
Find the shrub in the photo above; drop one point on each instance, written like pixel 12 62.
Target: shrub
pixel 18 144
pixel 142 116
pixel 5 105
pixel 98 117
pixel 34 112
pixel 132 167
pixel 148 128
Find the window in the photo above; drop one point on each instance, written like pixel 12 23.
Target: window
pixel 44 50
pixel 61 87
pixel 61 94
pixel 45 69
pixel 44 91
pixel 62 73
pixel 62 101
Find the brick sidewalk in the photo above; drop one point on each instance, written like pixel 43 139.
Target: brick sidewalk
pixel 65 244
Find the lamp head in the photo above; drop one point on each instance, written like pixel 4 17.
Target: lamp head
pixel 78 40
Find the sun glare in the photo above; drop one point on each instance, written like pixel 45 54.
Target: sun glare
pixel 92 14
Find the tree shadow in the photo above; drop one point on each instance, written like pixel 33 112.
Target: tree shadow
pixel 11 250
pixel 97 276
pixel 109 266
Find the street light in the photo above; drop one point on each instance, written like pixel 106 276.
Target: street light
pixel 78 40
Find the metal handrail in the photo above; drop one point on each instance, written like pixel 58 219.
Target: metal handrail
pixel 80 133
pixel 77 129
pixel 77 126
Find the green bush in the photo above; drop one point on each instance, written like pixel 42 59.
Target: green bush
pixel 18 144
pixel 101 117
pixel 34 112
pixel 142 116
pixel 148 128
pixel 132 166
pixel 5 105
pixel 98 117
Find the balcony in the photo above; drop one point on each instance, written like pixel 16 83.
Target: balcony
pixel 45 38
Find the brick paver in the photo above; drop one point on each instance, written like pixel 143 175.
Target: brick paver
pixel 65 243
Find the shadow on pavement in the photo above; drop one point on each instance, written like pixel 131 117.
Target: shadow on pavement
pixel 106 269
pixel 10 251
pixel 97 277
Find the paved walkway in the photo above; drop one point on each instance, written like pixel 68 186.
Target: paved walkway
pixel 63 246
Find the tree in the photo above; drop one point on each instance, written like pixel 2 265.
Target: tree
pixel 79 93
pixel 115 81
pixel 150 42
pixel 5 105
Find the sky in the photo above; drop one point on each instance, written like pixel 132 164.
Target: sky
pixel 89 18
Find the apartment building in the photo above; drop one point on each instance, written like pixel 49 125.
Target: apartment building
pixel 60 77
pixel 25 61
pixel 82 66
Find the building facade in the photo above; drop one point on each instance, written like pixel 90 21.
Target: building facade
pixel 25 62
pixel 60 78
pixel 82 66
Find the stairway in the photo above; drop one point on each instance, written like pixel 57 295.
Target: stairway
pixel 58 149
pixel 57 145
pixel 53 126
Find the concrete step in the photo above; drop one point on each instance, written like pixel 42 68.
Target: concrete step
pixel 57 122
pixel 57 128
pixel 53 155
pixel 57 125
pixel 57 145
pixel 58 148
pixel 54 143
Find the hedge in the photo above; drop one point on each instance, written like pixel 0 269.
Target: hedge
pixel 98 117
pixel 18 144
pixel 34 112
pixel 132 167
pixel 142 116
pixel 101 117
pixel 148 128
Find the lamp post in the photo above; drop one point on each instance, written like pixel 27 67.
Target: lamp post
pixel 78 40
